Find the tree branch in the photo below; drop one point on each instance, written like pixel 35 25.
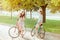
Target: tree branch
pixel 46 5
pixel 41 6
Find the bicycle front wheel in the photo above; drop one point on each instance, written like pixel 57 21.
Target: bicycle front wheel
pixel 42 33
pixel 13 32
pixel 33 31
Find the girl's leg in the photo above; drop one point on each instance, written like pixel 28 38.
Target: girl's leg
pixel 36 27
pixel 22 33
pixel 23 30
pixel 19 29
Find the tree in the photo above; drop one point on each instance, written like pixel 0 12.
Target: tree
pixel 54 6
pixel 14 5
pixel 6 6
pixel 11 5
pixel 28 5
pixel 43 4
pixel 0 6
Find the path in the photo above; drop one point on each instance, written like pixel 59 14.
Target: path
pixel 4 35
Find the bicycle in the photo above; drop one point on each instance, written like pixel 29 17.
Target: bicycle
pixel 14 32
pixel 40 33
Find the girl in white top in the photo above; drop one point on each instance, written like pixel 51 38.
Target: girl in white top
pixel 40 20
pixel 20 22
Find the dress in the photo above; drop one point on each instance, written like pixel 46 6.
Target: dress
pixel 21 23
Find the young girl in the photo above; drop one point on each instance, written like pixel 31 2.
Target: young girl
pixel 40 20
pixel 20 22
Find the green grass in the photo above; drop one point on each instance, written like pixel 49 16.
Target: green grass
pixel 50 25
pixel 8 20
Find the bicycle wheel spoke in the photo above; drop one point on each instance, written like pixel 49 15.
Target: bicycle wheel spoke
pixel 42 33
pixel 13 32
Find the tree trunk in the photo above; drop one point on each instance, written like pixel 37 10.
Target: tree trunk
pixel 1 11
pixel 44 14
pixel 30 15
pixel 11 14
pixel 0 7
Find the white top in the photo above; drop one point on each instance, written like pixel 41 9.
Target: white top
pixel 21 22
pixel 40 18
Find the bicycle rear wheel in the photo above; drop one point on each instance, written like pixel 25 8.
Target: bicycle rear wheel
pixel 13 32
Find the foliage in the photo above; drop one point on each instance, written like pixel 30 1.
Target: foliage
pixel 14 5
pixel 54 6
pixel 11 4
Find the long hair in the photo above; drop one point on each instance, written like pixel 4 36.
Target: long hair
pixel 22 15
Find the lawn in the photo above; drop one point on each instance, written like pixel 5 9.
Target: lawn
pixel 50 25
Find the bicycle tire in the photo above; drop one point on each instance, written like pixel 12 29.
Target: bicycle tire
pixel 42 33
pixel 33 31
pixel 13 30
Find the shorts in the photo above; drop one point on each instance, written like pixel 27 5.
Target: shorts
pixel 21 25
pixel 38 25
